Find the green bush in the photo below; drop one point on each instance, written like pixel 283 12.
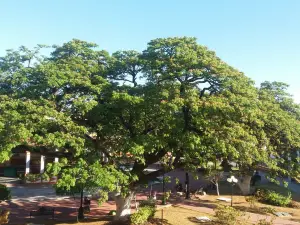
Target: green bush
pixel 5 193
pixel 32 177
pixel 166 196
pixel 227 215
pixel 45 177
pixel 273 198
pixel 143 215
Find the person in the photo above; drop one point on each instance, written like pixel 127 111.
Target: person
pixel 255 179
pixel 154 195
pixel 179 187
pixel 87 203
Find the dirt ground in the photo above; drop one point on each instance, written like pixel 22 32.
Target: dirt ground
pixel 171 215
pixel 239 202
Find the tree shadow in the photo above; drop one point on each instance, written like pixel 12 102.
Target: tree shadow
pixel 295 220
pixel 50 221
pixel 159 221
pixel 197 203
pixel 257 210
pixel 153 221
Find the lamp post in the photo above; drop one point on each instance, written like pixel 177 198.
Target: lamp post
pixel 164 194
pixel 80 210
pixel 187 186
pixel 232 180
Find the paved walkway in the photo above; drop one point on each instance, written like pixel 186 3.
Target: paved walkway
pixel 65 210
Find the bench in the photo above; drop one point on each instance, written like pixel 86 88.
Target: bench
pixel 43 211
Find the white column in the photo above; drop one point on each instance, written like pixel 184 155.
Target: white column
pixel 27 169
pixel 42 168
pixel 103 157
pixel 56 158
pixel 54 178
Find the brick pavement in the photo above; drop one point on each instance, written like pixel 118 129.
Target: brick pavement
pixel 65 210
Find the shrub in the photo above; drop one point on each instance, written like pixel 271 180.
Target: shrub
pixel 5 193
pixel 4 216
pixel 143 215
pixel 269 210
pixel 252 200
pixel 294 204
pixel 166 196
pixel 260 194
pixel 45 177
pixel 272 197
pixel 32 177
pixel 227 215
pixel 265 222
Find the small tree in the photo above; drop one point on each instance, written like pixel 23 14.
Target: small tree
pixel 83 175
pixel 214 174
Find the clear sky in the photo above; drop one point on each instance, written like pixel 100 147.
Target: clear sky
pixel 259 37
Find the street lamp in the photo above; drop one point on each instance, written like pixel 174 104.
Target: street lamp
pixel 232 180
pixel 164 194
pixel 187 186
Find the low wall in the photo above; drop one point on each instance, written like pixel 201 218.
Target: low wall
pixel 52 180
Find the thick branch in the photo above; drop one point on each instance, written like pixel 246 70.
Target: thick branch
pixel 127 125
pixel 196 130
pixel 96 143
pixel 151 176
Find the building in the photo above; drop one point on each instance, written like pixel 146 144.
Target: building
pixel 24 162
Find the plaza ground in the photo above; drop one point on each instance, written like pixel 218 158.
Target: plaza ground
pixel 181 212
pixel 26 198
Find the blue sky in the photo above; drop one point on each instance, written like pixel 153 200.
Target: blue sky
pixel 259 37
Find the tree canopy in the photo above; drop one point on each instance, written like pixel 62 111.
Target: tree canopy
pixel 132 107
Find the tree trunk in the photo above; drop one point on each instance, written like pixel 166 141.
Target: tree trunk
pixel 135 203
pixel 244 184
pixel 123 205
pixel 164 198
pixel 217 188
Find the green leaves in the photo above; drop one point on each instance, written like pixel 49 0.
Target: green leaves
pixel 176 102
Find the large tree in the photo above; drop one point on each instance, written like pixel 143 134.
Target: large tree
pixel 132 108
